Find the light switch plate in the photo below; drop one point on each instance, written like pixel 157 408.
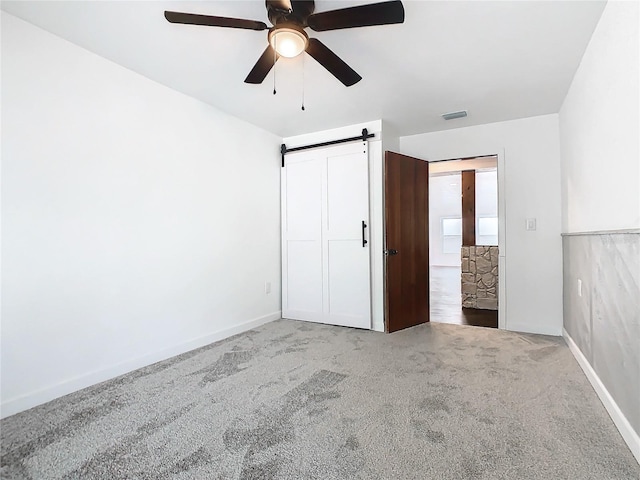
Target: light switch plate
pixel 531 224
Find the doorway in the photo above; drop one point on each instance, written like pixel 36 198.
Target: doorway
pixel 463 246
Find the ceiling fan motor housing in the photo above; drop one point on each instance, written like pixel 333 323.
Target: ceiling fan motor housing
pixel 301 11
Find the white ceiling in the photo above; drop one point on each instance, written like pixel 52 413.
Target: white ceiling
pixel 498 60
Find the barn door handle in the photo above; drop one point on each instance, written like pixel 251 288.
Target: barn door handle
pixel 364 240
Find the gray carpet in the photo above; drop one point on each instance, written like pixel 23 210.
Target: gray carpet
pixel 302 401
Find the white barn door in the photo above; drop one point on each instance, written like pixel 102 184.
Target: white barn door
pixel 325 250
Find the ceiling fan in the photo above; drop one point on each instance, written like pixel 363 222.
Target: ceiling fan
pixel 287 37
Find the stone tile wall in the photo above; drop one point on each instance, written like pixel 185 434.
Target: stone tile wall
pixel 480 277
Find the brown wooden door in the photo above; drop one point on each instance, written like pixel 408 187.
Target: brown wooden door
pixel 407 233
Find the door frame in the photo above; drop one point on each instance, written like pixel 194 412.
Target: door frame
pixel 502 229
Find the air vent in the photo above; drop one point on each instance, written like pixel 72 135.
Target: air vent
pixel 452 115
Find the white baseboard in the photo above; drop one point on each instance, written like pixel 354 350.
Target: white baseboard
pixel 626 430
pixel 535 329
pixel 24 402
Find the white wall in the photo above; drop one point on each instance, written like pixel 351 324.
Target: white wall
pixel 529 175
pixel 137 222
pixel 599 129
pixel 599 137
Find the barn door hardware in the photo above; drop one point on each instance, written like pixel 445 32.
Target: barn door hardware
pixel 363 137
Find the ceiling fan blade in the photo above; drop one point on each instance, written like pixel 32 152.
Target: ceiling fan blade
pixel 262 67
pixel 211 21
pixel 329 60
pixel 385 13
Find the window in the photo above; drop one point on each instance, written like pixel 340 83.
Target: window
pixel 487 231
pixel 451 235
pixel 487 207
pixel 488 226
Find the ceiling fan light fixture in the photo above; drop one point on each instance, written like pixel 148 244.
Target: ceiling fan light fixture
pixel 288 42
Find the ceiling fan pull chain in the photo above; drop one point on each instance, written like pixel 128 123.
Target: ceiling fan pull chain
pixel 275 58
pixel 303 82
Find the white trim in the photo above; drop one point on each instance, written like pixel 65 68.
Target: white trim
pixel 626 430
pixel 376 233
pixel 502 292
pixel 52 392
pixel 624 231
pixel 502 241
pixel 535 329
